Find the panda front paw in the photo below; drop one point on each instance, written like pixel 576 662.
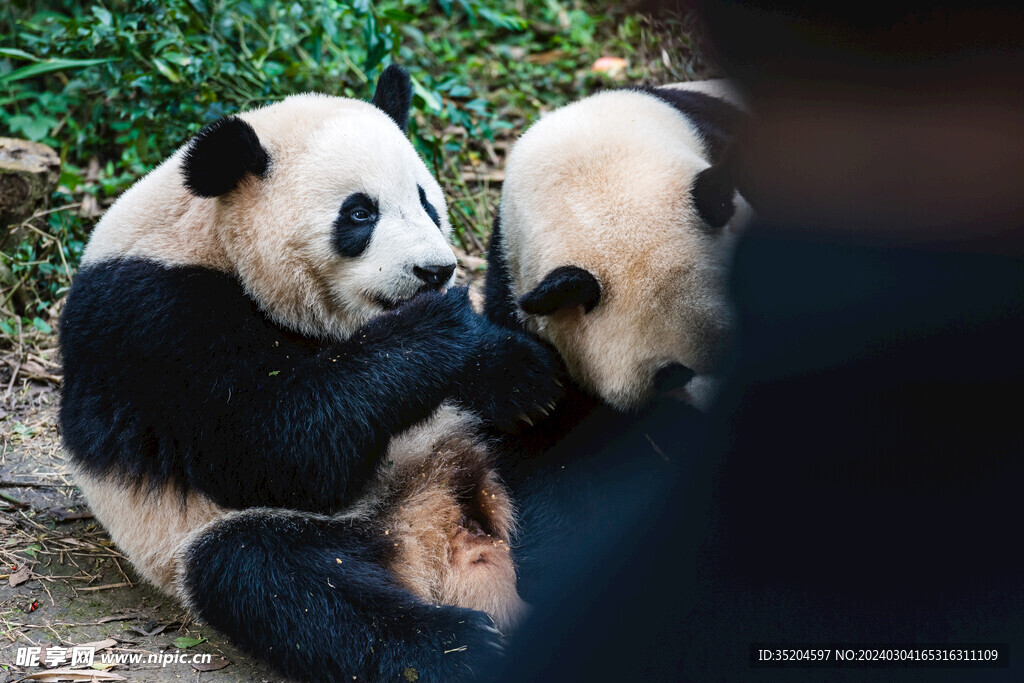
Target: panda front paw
pixel 513 381
pixel 438 321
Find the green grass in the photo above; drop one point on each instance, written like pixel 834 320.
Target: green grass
pixel 116 86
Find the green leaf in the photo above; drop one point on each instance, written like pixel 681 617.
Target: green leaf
pixel 19 121
pixel 478 105
pixel 34 127
pixel 32 550
pixel 41 325
pixel 185 643
pixel 505 21
pixel 177 58
pixel 23 431
pixel 429 99
pixel 18 54
pixel 51 65
pixel 272 373
pixel 168 73
pixel 103 15
pixel 398 15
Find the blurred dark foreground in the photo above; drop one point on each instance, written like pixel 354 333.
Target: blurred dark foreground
pixel 859 478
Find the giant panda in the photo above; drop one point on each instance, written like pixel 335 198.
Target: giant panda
pixel 274 398
pixel 617 218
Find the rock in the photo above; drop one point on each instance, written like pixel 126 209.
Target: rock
pixel 29 172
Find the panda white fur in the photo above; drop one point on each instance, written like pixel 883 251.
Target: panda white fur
pixel 272 396
pixel 617 218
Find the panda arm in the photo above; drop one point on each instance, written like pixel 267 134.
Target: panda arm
pixel 189 381
pixel 309 434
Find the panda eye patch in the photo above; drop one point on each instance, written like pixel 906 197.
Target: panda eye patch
pixel 428 207
pixel 359 208
pixel 354 225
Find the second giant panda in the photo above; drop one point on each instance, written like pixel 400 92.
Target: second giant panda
pixel 273 397
pixel 618 214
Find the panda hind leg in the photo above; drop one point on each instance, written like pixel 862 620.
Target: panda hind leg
pixel 308 594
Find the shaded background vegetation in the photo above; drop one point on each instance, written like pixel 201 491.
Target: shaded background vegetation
pixel 116 86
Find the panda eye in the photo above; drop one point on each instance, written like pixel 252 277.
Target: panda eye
pixel 358 210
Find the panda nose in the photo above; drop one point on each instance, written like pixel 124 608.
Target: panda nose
pixel 434 276
pixel 672 376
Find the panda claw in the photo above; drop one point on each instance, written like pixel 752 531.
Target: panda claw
pixel 524 418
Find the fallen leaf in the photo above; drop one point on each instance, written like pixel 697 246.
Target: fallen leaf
pixel 119 617
pixel 72 676
pixel 215 664
pixel 613 66
pixel 21 576
pixel 100 644
pixel 150 628
pixel 545 57
pixel 185 643
pixel 67 540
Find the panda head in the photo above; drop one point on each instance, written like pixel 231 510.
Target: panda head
pixel 322 207
pixel 615 229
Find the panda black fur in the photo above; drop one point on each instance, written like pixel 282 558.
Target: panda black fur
pixel 617 217
pixel 272 400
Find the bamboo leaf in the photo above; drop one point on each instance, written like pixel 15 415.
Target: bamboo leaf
pixel 51 65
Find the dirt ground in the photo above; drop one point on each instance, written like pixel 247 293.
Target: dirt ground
pixel 62 581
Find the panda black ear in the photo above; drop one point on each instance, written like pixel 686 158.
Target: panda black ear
pixel 713 191
pixel 564 287
pixel 220 155
pixel 393 95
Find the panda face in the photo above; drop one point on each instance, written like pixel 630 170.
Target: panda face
pixel 374 228
pixel 346 224
pixel 610 258
pixel 661 281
